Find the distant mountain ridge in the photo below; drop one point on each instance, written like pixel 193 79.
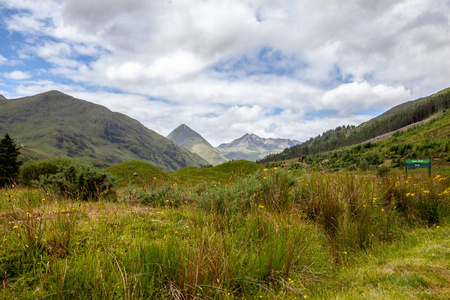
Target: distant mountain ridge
pixel 252 147
pixel 185 137
pixel 55 124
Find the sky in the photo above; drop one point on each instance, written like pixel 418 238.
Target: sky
pixel 281 68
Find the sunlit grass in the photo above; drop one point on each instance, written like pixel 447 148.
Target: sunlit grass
pixel 271 235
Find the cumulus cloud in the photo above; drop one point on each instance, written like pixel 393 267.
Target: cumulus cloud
pixel 16 75
pixel 232 67
pixel 355 97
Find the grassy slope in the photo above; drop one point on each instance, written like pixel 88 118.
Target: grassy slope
pixel 210 154
pixel 221 173
pixel 58 124
pixel 147 173
pixel 137 173
pixel 436 131
pixel 431 138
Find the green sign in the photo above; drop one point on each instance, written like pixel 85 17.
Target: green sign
pixel 418 163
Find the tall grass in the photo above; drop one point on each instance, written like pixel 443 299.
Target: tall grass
pixel 271 234
pixel 359 211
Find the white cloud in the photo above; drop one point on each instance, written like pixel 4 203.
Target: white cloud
pixel 16 75
pixel 354 97
pixel 3 60
pixel 224 67
pixel 166 68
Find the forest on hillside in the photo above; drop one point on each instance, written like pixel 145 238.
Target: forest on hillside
pixel 398 117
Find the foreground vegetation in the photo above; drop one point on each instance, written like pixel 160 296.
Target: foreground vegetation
pixel 271 233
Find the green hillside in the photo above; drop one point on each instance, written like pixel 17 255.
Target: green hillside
pixel 138 173
pixel 400 116
pixel 143 174
pixel 221 173
pixel 54 124
pixel 431 138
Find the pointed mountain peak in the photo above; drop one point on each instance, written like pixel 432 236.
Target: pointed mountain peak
pixel 183 127
pixel 183 134
pixel 2 97
pixel 248 137
pixel 252 136
pixel 186 137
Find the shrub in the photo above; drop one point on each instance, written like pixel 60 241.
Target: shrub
pixel 32 170
pixel 374 159
pixel 399 162
pixel 363 164
pixel 383 170
pixel 79 181
pixel 426 147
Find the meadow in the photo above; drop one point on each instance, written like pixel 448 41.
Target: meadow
pixel 224 233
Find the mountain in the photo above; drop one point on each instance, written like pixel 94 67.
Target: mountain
pixel 184 136
pixel 56 124
pixel 398 117
pixel 252 147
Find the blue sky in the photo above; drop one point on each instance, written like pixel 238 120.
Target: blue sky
pixel 281 69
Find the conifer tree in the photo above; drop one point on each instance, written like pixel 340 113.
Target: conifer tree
pixel 9 165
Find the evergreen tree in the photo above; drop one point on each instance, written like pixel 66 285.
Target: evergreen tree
pixel 9 165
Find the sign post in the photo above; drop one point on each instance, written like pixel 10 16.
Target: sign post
pixel 419 163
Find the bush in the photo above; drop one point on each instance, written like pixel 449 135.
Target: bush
pixel 396 163
pixel 363 164
pixel 32 170
pixel 400 149
pixel 374 159
pixel 426 147
pixel 383 170
pixel 79 181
